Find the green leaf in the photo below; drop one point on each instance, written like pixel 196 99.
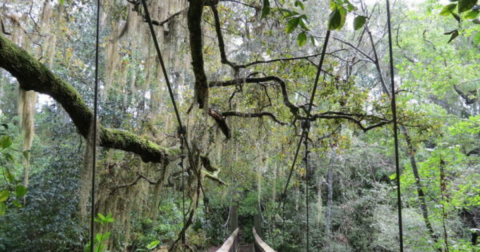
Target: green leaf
pixel 109 218
pixel 9 157
pixel 448 9
pixel 300 4
pixel 333 5
pixel 153 244
pixel 343 17
pixel 9 175
pixel 62 2
pixel 477 38
pixel 98 238
pixel 472 14
pixel 303 23
pixel 312 39
pixel 5 142
pixel 465 5
pixel 287 13
pixel 335 20
pixel 3 208
pixel 302 39
pixel 292 25
pixel 26 154
pixel 20 191
pixel 350 6
pixel 266 8
pixel 393 177
pixel 4 195
pixel 105 236
pixel 358 22
pixel 453 35
pixel 17 203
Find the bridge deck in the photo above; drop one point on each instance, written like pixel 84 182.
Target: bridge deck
pixel 232 244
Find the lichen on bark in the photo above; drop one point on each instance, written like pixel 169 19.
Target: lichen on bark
pixel 33 75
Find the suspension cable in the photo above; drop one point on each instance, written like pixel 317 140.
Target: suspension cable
pixel 306 128
pixel 182 130
pixel 94 137
pixel 309 109
pixel 304 136
pixel 395 128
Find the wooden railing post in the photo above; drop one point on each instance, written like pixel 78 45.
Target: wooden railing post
pixel 234 218
pixel 257 221
pixel 260 245
pixel 231 244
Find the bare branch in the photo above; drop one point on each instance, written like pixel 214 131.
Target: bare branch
pixel 276 60
pixel 293 108
pixel 252 115
pixel 221 44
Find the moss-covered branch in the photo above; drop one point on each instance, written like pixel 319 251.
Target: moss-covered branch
pixel 32 75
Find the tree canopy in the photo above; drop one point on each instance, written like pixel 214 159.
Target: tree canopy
pixel 242 74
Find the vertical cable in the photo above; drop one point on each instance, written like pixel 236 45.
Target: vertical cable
pixel 182 157
pixel 182 129
pixel 304 132
pixel 306 127
pixel 93 138
pixel 395 128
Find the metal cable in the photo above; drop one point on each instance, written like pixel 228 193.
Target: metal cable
pixel 94 137
pixel 304 136
pixel 395 128
pixel 306 127
pixel 309 109
pixel 182 130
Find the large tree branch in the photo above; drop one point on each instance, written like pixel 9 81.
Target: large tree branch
pixel 352 117
pixel 356 118
pixel 251 115
pixel 32 75
pixel 221 43
pixel 196 46
pixel 293 108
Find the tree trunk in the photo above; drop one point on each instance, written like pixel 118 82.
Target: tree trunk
pixel 328 213
pixel 421 194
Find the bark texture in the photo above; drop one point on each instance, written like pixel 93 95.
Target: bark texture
pixel 32 75
pixel 196 46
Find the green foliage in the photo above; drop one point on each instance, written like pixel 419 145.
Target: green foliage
pixel 104 219
pixel 292 25
pixel 100 238
pixel 266 8
pixel 337 16
pixel 153 244
pixel 359 22
pixel 465 11
pixel 465 5
pixel 11 189
pixel 302 39
pixel 448 9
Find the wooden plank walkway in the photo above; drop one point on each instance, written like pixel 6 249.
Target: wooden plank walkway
pixel 232 244
pixel 246 248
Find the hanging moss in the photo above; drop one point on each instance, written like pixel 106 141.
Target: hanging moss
pixel 32 75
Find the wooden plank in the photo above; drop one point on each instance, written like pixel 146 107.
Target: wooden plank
pixel 229 243
pixel 260 245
